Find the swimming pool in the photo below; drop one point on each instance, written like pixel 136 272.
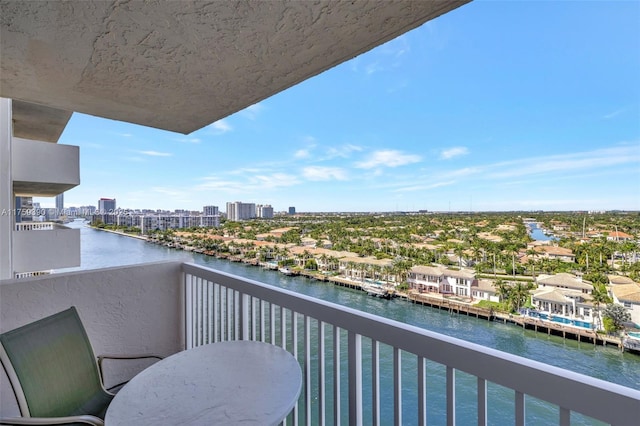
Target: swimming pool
pixel 567 321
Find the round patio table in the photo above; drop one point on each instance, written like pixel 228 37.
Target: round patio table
pixel 226 383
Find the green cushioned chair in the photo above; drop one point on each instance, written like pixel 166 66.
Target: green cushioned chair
pixel 54 374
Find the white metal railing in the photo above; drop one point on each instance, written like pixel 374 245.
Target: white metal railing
pixel 34 226
pixel 360 368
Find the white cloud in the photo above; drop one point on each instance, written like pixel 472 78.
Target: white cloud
pixel 386 56
pixel 423 187
pixel 135 159
pixel 302 153
pixel 456 151
pixel 189 140
pixel 274 180
pixel 155 153
pixel 318 173
pixel 168 191
pixel 246 182
pixel 372 68
pixel 342 151
pixel 388 158
pixel 219 127
pixel 251 112
pixel 589 160
pixel 613 114
pixel 216 184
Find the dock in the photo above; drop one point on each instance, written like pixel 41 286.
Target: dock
pixel 451 305
pixel 527 323
pixel 558 329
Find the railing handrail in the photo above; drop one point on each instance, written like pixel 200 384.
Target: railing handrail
pixel 512 371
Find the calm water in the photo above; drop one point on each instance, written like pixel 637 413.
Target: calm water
pixel 537 234
pixel 102 249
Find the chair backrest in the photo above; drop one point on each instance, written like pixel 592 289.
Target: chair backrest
pixel 51 366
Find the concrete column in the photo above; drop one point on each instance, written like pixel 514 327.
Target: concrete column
pixel 7 200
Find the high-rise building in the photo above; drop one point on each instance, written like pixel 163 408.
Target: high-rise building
pixel 107 205
pixel 210 211
pixel 292 210
pixel 264 211
pixel 240 211
pixel 60 205
pixel 24 209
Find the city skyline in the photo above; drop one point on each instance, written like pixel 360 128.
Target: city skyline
pixel 495 106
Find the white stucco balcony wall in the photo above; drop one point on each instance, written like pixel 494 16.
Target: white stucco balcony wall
pixel 43 169
pixel 40 250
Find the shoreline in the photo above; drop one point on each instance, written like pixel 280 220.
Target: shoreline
pixel 454 306
pixel 124 234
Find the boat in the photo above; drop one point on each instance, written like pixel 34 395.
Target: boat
pixel 376 291
pixel 285 270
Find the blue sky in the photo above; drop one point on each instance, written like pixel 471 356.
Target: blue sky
pixel 495 106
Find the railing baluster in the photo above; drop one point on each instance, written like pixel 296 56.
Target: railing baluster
pixel 217 325
pixel 397 386
pixel 451 396
pixel 245 316
pixel 283 327
pixel 272 323
pixel 237 323
pixel 336 375
pixel 254 300
pixel 482 402
pixel 307 368
pixel 422 392
pixel 519 408
pixel 211 312
pixel 230 312
pixel 294 343
pixel 321 373
pixel 375 382
pixel 201 312
pixel 565 417
pixel 355 379
pixel 188 284
pixel 262 324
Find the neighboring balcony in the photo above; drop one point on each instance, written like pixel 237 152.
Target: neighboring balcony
pixel 358 368
pixel 43 169
pixel 42 246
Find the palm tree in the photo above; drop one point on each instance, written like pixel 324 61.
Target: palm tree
pixel 503 290
pixel 599 296
pixel 518 295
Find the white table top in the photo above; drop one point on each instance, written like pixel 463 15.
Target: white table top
pixel 227 383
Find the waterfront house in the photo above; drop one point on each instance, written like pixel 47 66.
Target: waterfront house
pixel 554 252
pixel 484 290
pixel 180 66
pixel 560 301
pixel 438 279
pixel 618 236
pixel 619 279
pixel 564 281
pixel 564 294
pixel 628 295
pixel 361 268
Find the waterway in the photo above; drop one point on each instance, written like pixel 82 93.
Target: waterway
pixel 103 249
pixel 537 234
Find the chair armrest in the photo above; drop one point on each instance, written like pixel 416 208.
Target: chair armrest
pixel 86 419
pixel 102 357
pixel 136 356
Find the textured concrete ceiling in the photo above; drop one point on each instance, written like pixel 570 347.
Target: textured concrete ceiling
pixel 181 65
